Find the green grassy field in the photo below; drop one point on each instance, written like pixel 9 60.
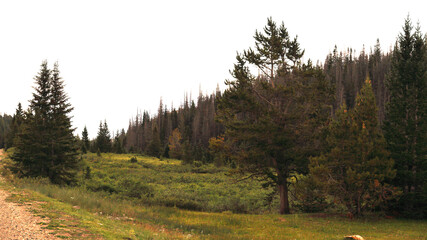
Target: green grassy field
pixel 169 183
pixel 151 199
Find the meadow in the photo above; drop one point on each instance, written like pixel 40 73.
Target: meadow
pixel 149 198
pixel 170 183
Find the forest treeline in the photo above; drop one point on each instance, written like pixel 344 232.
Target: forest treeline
pixel 348 134
pixel 194 121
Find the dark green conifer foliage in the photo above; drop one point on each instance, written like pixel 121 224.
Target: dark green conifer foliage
pixel 15 126
pixel 6 130
pixel 405 124
pixel 117 144
pixel 154 148
pixel 267 117
pixel 33 142
pixel 103 140
pixel 64 163
pixel 85 140
pixel 45 145
pixel 356 165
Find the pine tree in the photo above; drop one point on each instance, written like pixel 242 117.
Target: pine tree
pixel 85 140
pixel 405 124
pixel 267 117
pixel 356 165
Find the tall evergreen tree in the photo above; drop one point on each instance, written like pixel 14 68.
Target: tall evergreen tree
pixel 32 144
pixel 117 144
pixel 6 130
pixel 85 140
pixel 45 145
pixel 103 140
pixel 267 117
pixel 356 164
pixel 154 148
pixel 64 163
pixel 405 124
pixel 15 126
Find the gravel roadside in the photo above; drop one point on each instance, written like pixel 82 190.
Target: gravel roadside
pixel 17 222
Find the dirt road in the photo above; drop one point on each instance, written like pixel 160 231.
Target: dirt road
pixel 16 221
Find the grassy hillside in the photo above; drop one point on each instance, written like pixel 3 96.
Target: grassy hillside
pixel 150 199
pixel 169 183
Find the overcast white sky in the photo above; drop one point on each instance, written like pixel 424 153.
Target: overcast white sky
pixel 120 56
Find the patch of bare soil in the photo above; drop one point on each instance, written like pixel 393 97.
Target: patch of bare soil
pixel 16 222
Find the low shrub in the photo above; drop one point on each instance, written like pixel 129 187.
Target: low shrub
pixel 135 189
pixel 133 159
pixel 308 195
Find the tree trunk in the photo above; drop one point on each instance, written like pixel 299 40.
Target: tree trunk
pixel 284 202
pixel 282 184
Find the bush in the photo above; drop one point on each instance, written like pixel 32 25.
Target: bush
pixel 133 160
pixel 309 195
pixel 135 189
pixel 101 185
pixel 188 204
pixel 197 164
pixel 88 173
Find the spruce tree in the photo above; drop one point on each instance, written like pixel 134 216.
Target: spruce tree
pixel 15 126
pixel 154 148
pixel 5 129
pixel 64 163
pixel 405 123
pixel 103 140
pixel 45 145
pixel 356 166
pixel 85 140
pixel 32 143
pixel 117 144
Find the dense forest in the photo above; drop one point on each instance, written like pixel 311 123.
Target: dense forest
pixel 352 129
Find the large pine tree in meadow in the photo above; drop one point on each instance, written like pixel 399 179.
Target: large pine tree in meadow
pixel 45 145
pixel 271 118
pixel 405 124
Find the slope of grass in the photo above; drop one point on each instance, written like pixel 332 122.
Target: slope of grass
pixel 170 183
